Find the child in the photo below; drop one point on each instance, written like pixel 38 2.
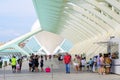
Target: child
pixel 18 67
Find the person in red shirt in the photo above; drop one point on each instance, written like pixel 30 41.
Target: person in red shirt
pixel 67 61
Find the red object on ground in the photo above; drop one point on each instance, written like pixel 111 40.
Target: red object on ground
pixel 47 70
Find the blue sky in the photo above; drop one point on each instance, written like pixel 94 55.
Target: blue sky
pixel 16 18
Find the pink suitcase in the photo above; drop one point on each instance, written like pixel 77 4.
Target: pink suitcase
pixel 47 70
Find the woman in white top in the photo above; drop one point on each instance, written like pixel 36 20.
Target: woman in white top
pixel 83 62
pixel 76 63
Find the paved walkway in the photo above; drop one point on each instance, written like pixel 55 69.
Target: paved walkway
pixel 58 74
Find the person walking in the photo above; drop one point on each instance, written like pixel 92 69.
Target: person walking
pixel 1 62
pixel 41 64
pixel 67 61
pixel 13 63
pixel 20 62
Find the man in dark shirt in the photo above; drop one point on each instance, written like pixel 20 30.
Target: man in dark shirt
pixel 1 62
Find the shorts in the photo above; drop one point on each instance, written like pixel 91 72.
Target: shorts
pixel 107 65
pixel 75 64
pixel 13 66
pixel 83 65
pixel 30 64
pixel 36 64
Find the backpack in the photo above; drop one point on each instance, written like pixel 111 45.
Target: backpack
pixel 108 61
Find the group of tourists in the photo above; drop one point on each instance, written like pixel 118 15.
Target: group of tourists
pixel 34 63
pixel 101 63
pixel 16 64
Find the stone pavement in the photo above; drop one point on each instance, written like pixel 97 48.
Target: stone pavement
pixel 58 74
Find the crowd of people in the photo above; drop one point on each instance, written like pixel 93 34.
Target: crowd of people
pixel 101 63
pixel 34 63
